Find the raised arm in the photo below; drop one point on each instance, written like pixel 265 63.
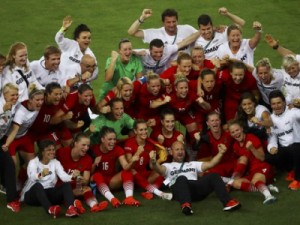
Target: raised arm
pixel 216 159
pixel 134 29
pixel 59 37
pixel 109 73
pixel 234 18
pixel 256 38
pixel 275 45
pixel 189 40
pixel 154 165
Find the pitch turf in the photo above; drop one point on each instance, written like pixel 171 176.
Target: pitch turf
pixel 36 22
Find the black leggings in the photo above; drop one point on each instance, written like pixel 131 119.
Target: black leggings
pixel 185 190
pixel 37 195
pixel 8 175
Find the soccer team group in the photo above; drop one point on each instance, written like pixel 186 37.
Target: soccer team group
pixel 192 113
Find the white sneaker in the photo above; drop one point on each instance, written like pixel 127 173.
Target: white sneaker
pixel 273 188
pixel 269 200
pixel 166 196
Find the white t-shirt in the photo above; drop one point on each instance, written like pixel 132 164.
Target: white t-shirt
pixel 285 129
pixel 275 84
pixel 45 76
pixel 211 46
pixel 24 118
pixel 71 53
pixel 183 31
pixel 259 109
pixel 189 169
pixel 14 77
pixel 245 53
pixel 291 87
pixel 6 117
pixel 35 167
pixel 158 67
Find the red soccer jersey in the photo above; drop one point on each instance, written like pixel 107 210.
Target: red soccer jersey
pixel 131 147
pixel 128 105
pixel 83 164
pixel 233 90
pixel 107 165
pixel 42 122
pixel 143 103
pixel 72 104
pixel 168 141
pixel 225 139
pixel 207 64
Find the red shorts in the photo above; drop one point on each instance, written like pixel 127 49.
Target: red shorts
pixel 263 168
pixel 186 118
pixel 24 144
pixel 224 169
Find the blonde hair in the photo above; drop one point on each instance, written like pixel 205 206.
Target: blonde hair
pixel 288 61
pixel 33 91
pixel 10 61
pixel 179 77
pixel 9 86
pixel 197 48
pixel 151 76
pixel 183 56
pixel 121 82
pixel 264 62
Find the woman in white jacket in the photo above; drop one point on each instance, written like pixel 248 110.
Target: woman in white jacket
pixel 40 188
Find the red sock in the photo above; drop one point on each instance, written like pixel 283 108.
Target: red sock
pixel 100 182
pixel 248 187
pixel 143 183
pixel 127 179
pixel 88 195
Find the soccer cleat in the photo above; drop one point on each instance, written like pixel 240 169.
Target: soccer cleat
pixel 290 176
pixel 14 206
pixel 72 211
pixel 187 209
pixel 269 200
pixel 54 211
pixel 273 188
pixel 147 195
pixel 295 185
pixel 131 201
pixel 115 202
pixel 232 205
pixel 166 196
pixel 79 206
pixel 99 206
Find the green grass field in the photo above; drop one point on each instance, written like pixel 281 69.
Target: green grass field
pixel 36 22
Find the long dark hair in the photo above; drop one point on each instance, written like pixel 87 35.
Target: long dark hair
pixel 42 145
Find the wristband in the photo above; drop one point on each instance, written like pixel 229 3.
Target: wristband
pixel 63 30
pixel 140 21
pixel 275 47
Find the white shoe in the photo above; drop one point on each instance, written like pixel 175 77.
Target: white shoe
pixel 167 196
pixel 269 200
pixel 273 188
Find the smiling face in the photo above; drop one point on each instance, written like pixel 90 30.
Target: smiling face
pixel 178 151
pixel 52 62
pixel 236 131
pixel 126 92
pixel 154 86
pixel 264 74
pixel 108 142
pixel 125 51
pixel 141 131
pixel 20 58
pixel 117 110
pixel 237 75
pixel 170 24
pixel 86 97
pixel 198 56
pixel 84 40
pixel 293 70
pixel 48 153
pixel 168 123
pixel 81 146
pixel 277 105
pixel 235 38
pixel 248 106
pixel 206 31
pixel 182 89
pixel 185 67
pixel 11 95
pixel 156 53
